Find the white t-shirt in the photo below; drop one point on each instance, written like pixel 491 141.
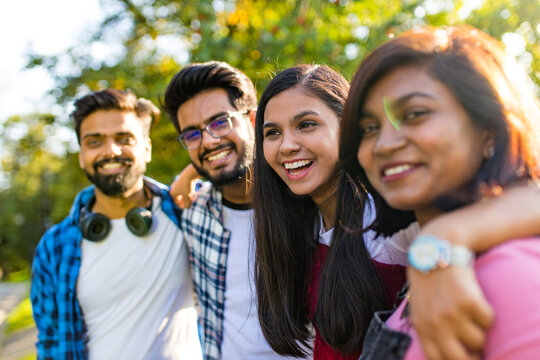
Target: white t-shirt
pixel 387 250
pixel 242 334
pixel 136 293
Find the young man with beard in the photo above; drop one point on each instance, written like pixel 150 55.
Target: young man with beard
pixel 211 105
pixel 112 280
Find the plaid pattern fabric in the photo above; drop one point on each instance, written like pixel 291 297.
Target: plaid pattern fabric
pixel 208 241
pixel 61 329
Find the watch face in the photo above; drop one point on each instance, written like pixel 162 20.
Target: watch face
pixel 424 254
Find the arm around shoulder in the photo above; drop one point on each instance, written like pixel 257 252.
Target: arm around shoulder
pixel 514 213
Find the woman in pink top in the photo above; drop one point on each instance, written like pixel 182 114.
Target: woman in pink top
pixel 437 119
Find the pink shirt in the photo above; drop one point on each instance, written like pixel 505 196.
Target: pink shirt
pixel 509 275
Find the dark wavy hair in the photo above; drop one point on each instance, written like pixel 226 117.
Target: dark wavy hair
pixel 199 77
pixel 286 230
pixel 112 99
pixel 493 89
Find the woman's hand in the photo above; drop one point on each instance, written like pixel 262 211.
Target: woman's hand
pixel 449 313
pixel 448 308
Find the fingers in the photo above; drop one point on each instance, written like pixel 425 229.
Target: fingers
pixel 453 348
pixel 192 197
pixel 483 314
pixel 471 335
pixel 179 201
pixel 449 313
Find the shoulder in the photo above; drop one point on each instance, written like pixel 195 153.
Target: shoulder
pixel 518 254
pixel 64 236
pixel 508 275
pixel 157 188
pixel 511 266
pixel 208 195
pixel 206 192
pixel 58 239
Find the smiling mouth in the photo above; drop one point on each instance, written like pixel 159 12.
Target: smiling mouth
pixel 396 170
pixel 298 167
pixel 219 155
pixel 112 164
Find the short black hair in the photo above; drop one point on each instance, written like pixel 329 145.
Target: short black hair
pixel 199 77
pixel 113 99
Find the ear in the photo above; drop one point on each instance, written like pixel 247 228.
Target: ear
pixel 81 163
pixel 148 148
pixel 252 116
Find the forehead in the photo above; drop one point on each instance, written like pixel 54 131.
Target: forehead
pixel 203 106
pixel 289 103
pixel 404 81
pixel 109 122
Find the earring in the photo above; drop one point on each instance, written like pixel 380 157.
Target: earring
pixel 490 152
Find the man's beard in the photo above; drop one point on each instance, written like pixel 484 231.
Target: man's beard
pixel 241 168
pixel 115 185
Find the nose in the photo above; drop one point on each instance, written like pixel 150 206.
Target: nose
pixel 289 145
pixel 113 149
pixel 389 140
pixel 208 141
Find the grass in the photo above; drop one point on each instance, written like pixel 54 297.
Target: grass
pixel 31 356
pixel 20 317
pixel 21 275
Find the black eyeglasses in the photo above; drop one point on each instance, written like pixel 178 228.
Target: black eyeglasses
pixel 219 127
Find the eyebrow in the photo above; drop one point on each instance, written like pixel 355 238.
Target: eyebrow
pixel 207 121
pixel 295 118
pixel 409 96
pixel 399 102
pixel 120 133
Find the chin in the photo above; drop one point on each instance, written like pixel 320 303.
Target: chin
pixel 405 203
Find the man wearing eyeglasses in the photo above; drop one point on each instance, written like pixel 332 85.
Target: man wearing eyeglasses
pixel 212 106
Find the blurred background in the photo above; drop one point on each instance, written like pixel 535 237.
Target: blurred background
pixel 56 50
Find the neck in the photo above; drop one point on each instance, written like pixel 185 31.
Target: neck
pixel 326 200
pixel 327 208
pixel 117 207
pixel 238 192
pixel 425 215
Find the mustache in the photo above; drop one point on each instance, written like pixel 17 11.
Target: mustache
pixel 118 159
pixel 222 146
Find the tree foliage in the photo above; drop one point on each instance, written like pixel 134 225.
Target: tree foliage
pixel 146 42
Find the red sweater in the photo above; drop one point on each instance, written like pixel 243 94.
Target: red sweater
pixel 392 278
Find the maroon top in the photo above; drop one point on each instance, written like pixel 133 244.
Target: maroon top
pixel 392 277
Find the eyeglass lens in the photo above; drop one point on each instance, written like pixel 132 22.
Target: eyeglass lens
pixel 219 127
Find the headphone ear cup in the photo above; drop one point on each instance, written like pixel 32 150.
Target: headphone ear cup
pixel 139 221
pixel 94 226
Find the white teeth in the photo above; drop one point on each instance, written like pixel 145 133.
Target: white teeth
pixel 396 170
pixel 297 164
pixel 219 155
pixel 112 165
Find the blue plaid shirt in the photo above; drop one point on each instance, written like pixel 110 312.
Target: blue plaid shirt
pixel 208 241
pixel 61 329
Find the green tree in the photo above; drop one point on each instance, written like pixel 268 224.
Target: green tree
pixel 150 40
pixel 39 186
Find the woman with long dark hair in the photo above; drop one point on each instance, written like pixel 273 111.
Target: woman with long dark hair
pixel 297 175
pixel 438 119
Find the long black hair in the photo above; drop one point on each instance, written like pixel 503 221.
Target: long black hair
pixel 286 230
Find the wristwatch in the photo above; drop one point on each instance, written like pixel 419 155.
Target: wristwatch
pixel 427 253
